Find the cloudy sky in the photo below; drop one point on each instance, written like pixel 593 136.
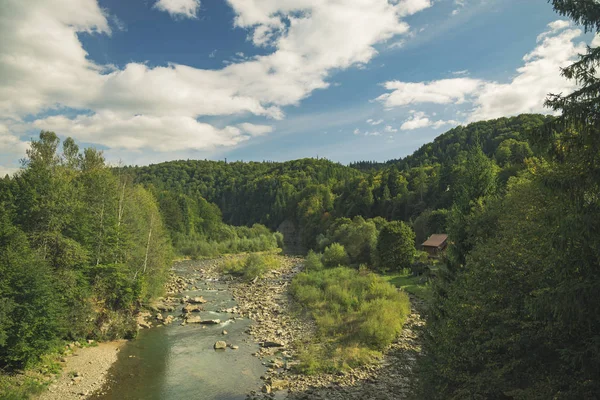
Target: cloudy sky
pixel 155 80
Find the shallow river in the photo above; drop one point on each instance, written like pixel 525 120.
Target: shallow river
pixel 178 362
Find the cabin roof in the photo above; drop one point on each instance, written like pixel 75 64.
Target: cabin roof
pixel 435 240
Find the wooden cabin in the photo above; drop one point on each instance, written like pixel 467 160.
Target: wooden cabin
pixel 436 244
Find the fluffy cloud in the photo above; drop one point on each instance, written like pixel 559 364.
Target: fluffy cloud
pixel 179 8
pixel 374 122
pixel 43 66
pixel 390 129
pixel 255 130
pixel 525 93
pixel 419 119
pixel 444 91
pixel 161 133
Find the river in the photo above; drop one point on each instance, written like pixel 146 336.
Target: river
pixel 179 362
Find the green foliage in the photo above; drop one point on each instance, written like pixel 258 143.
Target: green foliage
pixel 357 315
pixel 415 285
pixel 250 267
pixel 335 255
pixel 395 247
pixel 313 261
pixel 19 388
pixel 81 247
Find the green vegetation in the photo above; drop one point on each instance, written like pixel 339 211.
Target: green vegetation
pixel 357 314
pixel 516 314
pixel 415 285
pixel 80 247
pixel 19 388
pixel 250 267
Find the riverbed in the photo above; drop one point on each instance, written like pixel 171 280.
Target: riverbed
pixel 179 361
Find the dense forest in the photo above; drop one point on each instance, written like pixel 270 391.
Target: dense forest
pixel 515 306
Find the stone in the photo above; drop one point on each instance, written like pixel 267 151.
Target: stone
pixel 220 345
pixel 266 388
pixel 194 320
pixel 211 322
pixel 197 300
pixel 224 332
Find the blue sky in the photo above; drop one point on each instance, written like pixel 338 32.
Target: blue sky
pixel 156 80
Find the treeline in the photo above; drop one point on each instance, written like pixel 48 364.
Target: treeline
pixel 81 246
pixel 197 230
pixel 420 189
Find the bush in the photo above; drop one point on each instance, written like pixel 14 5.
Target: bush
pixel 313 261
pixel 250 267
pixel 357 314
pixel 335 255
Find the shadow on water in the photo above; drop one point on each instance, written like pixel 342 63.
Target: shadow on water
pixel 179 362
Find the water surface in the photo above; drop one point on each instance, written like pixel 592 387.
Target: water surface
pixel 179 362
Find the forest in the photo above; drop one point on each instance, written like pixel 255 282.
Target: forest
pixel 514 308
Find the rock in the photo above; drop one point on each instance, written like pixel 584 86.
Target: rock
pixel 194 320
pixel 224 332
pixel 191 308
pixel 197 300
pixel 266 388
pixel 220 345
pixel 159 317
pixel 268 344
pixel 234 347
pixel 211 322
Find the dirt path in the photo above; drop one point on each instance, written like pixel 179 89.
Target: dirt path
pixel 83 372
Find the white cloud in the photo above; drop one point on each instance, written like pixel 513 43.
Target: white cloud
pixel 419 119
pixel 255 130
pixel 179 8
pixel 44 66
pixel 596 41
pixel 356 131
pixel 7 171
pixel 554 26
pixel 461 72
pixel 444 91
pixel 162 133
pixel 10 143
pixel 389 129
pixel 525 93
pixel 374 122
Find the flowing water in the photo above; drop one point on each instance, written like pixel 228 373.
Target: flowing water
pixel 179 362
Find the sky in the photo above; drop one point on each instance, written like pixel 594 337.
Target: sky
pixel 148 81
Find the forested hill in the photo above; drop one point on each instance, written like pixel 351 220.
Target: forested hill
pixel 246 192
pixel 312 191
pixel 490 135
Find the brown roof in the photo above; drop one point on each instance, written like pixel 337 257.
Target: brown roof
pixel 436 240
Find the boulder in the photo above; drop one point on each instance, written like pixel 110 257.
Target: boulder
pixel 194 320
pixel 220 345
pixel 197 300
pixel 211 322
pixel 191 308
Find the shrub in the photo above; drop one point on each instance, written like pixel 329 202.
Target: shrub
pixel 250 267
pixel 335 255
pixel 357 315
pixel 313 261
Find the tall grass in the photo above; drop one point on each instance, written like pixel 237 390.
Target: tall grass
pixel 357 314
pixel 251 266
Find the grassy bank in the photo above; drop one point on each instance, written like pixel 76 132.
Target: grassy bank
pixel 357 314
pixel 251 266
pixel 415 285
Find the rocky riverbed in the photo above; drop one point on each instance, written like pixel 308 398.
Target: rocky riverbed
pixel 279 332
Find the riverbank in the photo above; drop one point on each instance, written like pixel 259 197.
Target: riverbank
pixel 83 372
pixel 282 333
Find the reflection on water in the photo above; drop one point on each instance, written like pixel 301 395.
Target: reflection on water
pixel 179 362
